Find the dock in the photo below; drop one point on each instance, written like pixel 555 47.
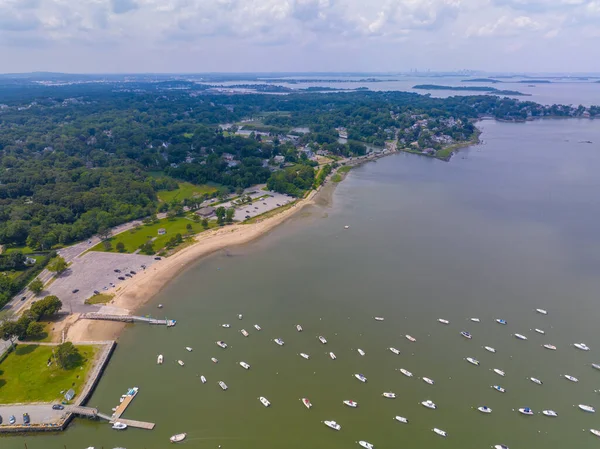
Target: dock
pixel 91 412
pixel 127 319
pixel 138 424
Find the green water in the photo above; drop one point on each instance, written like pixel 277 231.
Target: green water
pixel 502 229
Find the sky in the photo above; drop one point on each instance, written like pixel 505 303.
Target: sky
pixel 171 36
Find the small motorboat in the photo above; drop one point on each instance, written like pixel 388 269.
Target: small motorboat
pixel 298 328
pixel 550 413
pixel 428 380
pixel 587 408
pixel 119 426
pixel 159 359
pixel 540 331
pixel 350 403
pixel 500 321
pixel 595 432
pixel 361 352
pixel 221 344
pixel 429 404
pixel 244 332
pixel 410 338
pixel 542 311
pixel 389 395
pixel 466 334
pixel 322 339
pixel 526 411
pixel 500 446
pixel 279 341
pixel 571 378
pixel 227 326
pixel 306 403
pixel 484 409
pixel 257 327
pixel 379 318
pixel 361 377
pixel 475 320
pixel 499 372
pixel 549 346
pixel 240 316
pixel 223 385
pixel 536 381
pixel 180 362
pixel 244 365
pixel 188 349
pixel 473 361
pixel 401 419
pixel 595 365
pixel 490 349
pixel 365 444
pixel 214 360
pixel 332 425
pixel 203 379
pixel 332 356
pixel 304 355
pixel 406 372
pixel 582 346
pixel 499 388
pixel 160 306
pixel 395 351
pixel 443 321
pixel 521 336
pixel 440 432
pixel 264 401
pixel 178 438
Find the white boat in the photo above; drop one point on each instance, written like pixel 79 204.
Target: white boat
pixel 582 346
pixel 542 311
pixel 279 341
pixel 203 379
pixel 244 365
pixel 332 356
pixel 443 321
pixel 350 403
pixel 361 377
pixel 550 413
pixel 180 362
pixel 119 426
pixel 226 325
pixel 549 346
pixel 484 409
pixel 221 344
pixel 466 334
pixel 379 318
pixel 490 349
pixel 595 432
pixel 571 378
pixel 499 372
pixel 188 349
pixel 536 381
pixel 332 425
pixel 410 338
pixel 240 316
pixel 322 339
pixel 499 388
pixel 389 395
pixel 401 419
pixel 500 446
pixel 160 359
pixel 429 404
pixel 526 411
pixel 539 331
pixel 223 385
pixel 177 438
pixel 304 355
pixel 394 350
pixel 214 360
pixel 244 332
pixel 428 380
pixel 361 352
pixel 257 327
pixel 500 321
pixel 475 320
pixel 365 444
pixel 587 408
pixel 473 361
pixel 440 432
pixel 298 328
pixel 264 401
pixel 521 337
pixel 595 365
pixel 406 372
pixel 306 403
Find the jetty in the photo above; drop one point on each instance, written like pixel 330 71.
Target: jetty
pixel 127 319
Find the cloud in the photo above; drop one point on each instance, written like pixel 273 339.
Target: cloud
pixel 506 26
pixel 123 6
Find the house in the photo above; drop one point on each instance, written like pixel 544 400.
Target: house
pixel 205 212
pixel 162 231
pixel 279 159
pixel 228 156
pixel 29 260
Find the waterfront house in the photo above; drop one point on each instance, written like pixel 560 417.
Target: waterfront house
pixel 205 212
pixel 162 231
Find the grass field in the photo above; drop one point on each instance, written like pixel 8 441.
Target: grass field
pixel 26 377
pixel 23 249
pixel 102 298
pixel 336 178
pixel 185 190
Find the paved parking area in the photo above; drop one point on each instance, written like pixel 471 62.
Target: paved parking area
pixel 38 414
pixel 94 271
pixel 273 201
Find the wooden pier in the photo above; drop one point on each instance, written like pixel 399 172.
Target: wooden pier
pixel 138 424
pixel 126 319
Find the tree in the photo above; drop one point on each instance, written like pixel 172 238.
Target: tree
pixel 67 355
pixel 188 227
pixel 196 218
pixel 220 215
pixel 147 248
pixel 104 233
pixel 57 265
pixel 15 260
pixel 120 247
pixel 205 223
pixel 46 307
pixel 107 245
pixel 36 286
pixel 229 215
pixel 9 330
pixel 35 330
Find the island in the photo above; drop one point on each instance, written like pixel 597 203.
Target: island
pixel 482 80
pixel 489 90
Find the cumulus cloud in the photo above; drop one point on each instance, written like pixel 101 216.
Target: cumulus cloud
pixel 123 6
pixel 506 26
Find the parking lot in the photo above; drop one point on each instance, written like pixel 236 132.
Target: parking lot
pixel 38 414
pixel 94 271
pixel 260 206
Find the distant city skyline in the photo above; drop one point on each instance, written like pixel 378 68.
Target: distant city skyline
pixel 195 36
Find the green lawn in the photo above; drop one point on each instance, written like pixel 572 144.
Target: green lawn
pixel 26 377
pixel 185 190
pixel 344 169
pixel 336 178
pixel 101 298
pixel 23 249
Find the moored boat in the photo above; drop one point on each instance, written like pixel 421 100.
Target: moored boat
pixel 500 446
pixel 571 378
pixel 306 403
pixel 581 346
pixel 499 372
pixel 119 426
pixel 526 411
pixel 189 349
pixel 159 359
pixel 221 344
pixel 401 419
pixel 549 346
pixel 257 327
pixel 473 361
pixel 350 403
pixel 484 409
pixel 177 438
pixel 244 365
pixel 443 321
pixel 379 318
pixel 322 339
pixel 595 365
pixel 536 381
pixel 542 311
pixel 203 379
pixel 550 413
pixel 214 360
pixel 500 321
pixel 475 320
pixel 406 372
pixel 428 380
pixel 332 356
pixel 389 395
pixel 595 432
pixel 440 432
pixel 332 425
pixel 298 328
pixel 540 331
pixel 587 408
pixel 279 341
pixel 466 334
pixel 240 316
pixel 499 388
pixel 180 362
pixel 304 355
pixel 521 336
pixel 365 444
pixel 264 401
pixel 226 325
pixel 244 332
pixel 410 338
pixel 361 352
pixel 361 377
pixel 429 404
pixel 394 350
pixel 489 349
pixel 223 385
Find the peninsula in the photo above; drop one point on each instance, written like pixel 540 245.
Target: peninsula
pixel 488 90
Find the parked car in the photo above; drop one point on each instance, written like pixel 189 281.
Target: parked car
pixel 96 292
pixel 117 270
pixel 23 298
pixel 157 258
pixel 0 419
pixel 26 419
pixel 75 291
pixel 111 284
pixel 247 216
pixel 133 272
pixel 58 407
pixel 12 419
pixel 121 278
